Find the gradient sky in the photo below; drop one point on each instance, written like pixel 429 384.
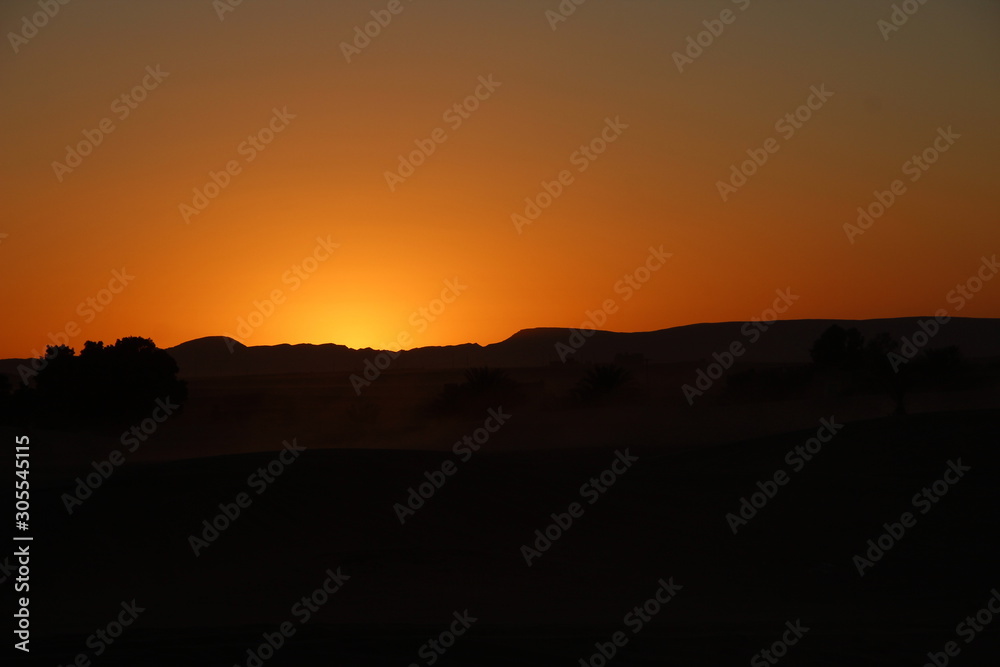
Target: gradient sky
pixel 324 174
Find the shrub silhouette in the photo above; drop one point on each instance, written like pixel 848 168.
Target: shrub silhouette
pixel 483 388
pixel 603 380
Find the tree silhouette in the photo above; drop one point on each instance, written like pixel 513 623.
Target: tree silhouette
pixel 838 348
pixel 867 367
pixel 878 368
pixel 104 386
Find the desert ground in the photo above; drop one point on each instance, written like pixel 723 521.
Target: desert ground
pixel 334 507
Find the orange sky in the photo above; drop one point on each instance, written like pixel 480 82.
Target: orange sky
pixel 324 173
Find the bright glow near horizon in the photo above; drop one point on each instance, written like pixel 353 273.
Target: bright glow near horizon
pixel 322 174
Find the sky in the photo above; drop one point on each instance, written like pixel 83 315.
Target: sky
pixel 270 172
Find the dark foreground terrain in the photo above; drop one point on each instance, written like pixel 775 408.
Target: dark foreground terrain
pixel 663 519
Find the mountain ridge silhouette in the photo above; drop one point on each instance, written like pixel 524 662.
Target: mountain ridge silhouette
pixel 783 342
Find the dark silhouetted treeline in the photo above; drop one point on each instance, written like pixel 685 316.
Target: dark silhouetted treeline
pixel 104 387
pixel 844 363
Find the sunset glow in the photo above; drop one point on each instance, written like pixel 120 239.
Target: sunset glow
pixel 300 140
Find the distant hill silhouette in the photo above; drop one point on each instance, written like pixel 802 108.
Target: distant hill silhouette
pixel 783 342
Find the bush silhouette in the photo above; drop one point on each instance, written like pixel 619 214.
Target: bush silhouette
pixel 483 388
pixel 603 380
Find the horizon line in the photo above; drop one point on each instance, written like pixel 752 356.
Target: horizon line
pixel 536 328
